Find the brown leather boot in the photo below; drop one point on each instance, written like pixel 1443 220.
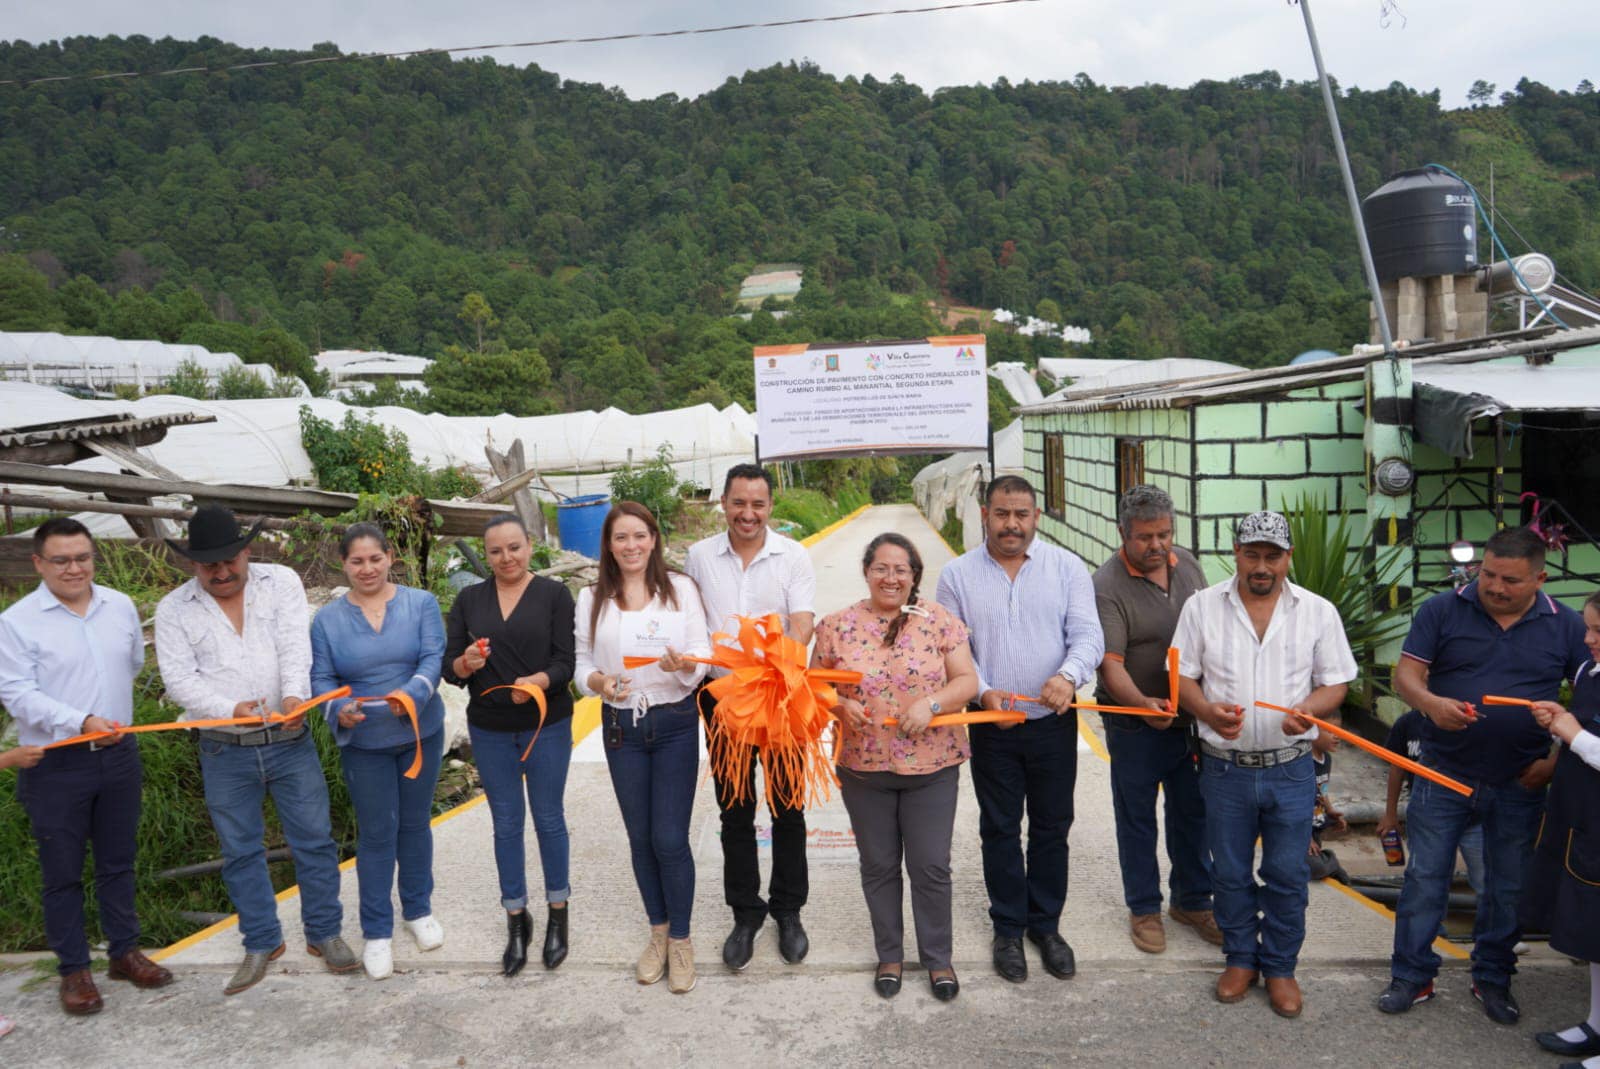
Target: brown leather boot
pixel 1234 983
pixel 78 994
pixel 1284 994
pixel 138 970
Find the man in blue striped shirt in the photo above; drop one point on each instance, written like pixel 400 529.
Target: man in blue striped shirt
pixel 1035 631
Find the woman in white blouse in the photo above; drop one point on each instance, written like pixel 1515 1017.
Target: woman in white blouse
pixel 638 607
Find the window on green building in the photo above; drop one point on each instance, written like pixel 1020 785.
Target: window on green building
pixel 1055 476
pixel 1130 465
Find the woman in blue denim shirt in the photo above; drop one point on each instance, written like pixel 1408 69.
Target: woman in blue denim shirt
pixel 379 638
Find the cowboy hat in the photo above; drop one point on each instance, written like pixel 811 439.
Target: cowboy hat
pixel 214 534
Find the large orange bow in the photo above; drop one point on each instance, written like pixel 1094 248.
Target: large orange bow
pixel 771 701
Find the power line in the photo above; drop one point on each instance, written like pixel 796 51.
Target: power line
pixel 598 39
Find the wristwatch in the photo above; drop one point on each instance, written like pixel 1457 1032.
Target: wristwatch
pixel 934 706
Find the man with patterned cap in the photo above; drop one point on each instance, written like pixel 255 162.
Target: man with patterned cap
pixel 1258 637
pixel 233 642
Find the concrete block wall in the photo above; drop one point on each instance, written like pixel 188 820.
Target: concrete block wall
pixel 1218 461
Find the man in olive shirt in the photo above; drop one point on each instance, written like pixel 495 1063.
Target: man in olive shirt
pixel 1140 592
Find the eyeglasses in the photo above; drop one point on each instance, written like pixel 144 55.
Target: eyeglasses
pixel 82 560
pixel 884 571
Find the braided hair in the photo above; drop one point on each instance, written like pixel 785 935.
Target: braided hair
pixel 893 538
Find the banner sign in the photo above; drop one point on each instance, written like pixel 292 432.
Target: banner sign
pixel 928 395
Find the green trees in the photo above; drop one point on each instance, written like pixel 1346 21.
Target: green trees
pixel 425 203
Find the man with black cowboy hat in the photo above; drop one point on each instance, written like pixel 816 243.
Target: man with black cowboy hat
pixel 235 641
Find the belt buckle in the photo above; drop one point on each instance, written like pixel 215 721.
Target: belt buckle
pixel 1249 759
pixel 93 746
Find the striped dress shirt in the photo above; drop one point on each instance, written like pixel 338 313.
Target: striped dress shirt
pixel 1026 630
pixel 1304 648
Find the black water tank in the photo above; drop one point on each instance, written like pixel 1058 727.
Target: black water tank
pixel 1422 223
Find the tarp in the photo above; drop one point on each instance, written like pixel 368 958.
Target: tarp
pixel 1450 396
pixel 258 442
pixel 957 482
pixel 1018 381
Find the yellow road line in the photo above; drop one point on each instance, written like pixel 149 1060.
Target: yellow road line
pixel 817 536
pixel 1443 946
pixel 1092 739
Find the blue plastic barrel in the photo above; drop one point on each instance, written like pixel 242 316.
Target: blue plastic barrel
pixel 578 521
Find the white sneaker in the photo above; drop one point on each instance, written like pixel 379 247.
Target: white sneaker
pixel 427 932
pixel 378 957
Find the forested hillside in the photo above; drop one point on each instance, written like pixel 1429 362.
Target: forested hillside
pixel 358 204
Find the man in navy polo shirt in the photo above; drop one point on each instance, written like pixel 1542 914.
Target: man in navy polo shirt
pixel 1499 634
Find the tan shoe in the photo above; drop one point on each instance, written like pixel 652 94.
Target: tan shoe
pixel 1235 983
pixel 653 962
pixel 1203 921
pixel 680 966
pixel 1148 933
pixel 1284 994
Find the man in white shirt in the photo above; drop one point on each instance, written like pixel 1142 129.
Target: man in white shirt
pixel 235 641
pixel 69 653
pixel 1253 637
pixel 750 570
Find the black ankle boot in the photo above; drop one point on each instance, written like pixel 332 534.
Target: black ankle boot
pixel 555 937
pixel 519 932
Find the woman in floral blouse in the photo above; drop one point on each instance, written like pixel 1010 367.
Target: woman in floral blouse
pixel 900 781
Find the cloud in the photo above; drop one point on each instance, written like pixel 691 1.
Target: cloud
pixel 1172 42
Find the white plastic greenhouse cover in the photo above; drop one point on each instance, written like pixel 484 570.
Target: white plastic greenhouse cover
pixel 957 482
pixel 258 442
pixel 1167 369
pixel 1018 381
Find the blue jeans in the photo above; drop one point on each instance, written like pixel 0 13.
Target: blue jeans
pixel 1143 760
pixel 1436 820
pixel 1031 767
pixel 654 773
pixel 500 766
pixel 1262 924
pixel 237 782
pixel 393 828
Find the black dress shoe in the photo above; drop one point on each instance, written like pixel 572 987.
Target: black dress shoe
pixel 887 981
pixel 1499 1005
pixel 519 932
pixel 945 987
pixel 555 937
pixel 740 945
pixel 792 942
pixel 1057 954
pixel 1582 1048
pixel 1009 961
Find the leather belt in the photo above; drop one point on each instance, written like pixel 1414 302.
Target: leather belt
pixel 263 737
pixel 1257 758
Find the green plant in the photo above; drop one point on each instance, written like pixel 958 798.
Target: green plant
pixel 188 379
pixel 1322 563
pixel 654 485
pixel 362 456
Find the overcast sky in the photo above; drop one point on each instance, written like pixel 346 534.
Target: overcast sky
pixel 1427 44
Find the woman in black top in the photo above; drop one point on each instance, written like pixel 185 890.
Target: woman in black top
pixel 527 622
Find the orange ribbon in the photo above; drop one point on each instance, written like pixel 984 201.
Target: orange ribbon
pixel 770 701
pixel 1496 699
pixel 1172 679
pixel 1126 710
pixel 535 693
pixel 409 707
pixel 981 716
pixel 265 720
pixel 1375 750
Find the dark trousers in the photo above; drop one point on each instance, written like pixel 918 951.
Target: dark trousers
pixel 913 818
pixel 1032 767
pixel 73 797
pixel 741 869
pixel 1143 762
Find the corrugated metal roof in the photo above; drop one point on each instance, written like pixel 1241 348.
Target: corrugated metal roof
pixel 1186 392
pixel 98 427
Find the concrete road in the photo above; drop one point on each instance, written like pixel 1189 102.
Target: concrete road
pixel 451 1008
